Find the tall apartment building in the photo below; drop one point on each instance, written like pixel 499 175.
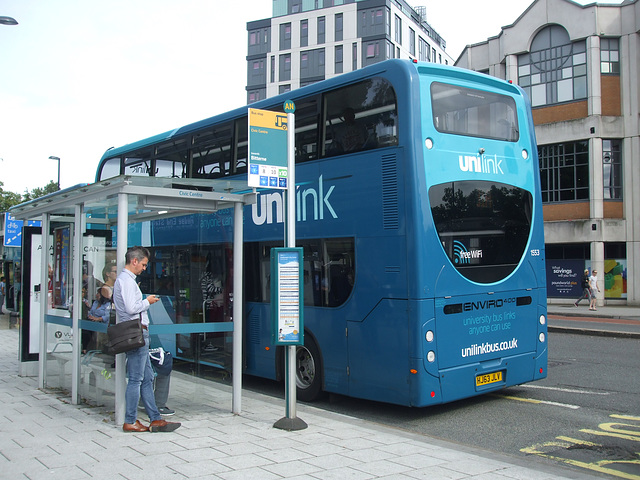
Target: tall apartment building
pixel 580 67
pixel 311 40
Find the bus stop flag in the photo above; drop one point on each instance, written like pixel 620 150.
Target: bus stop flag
pixel 267 149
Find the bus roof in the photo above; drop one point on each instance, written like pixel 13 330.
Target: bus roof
pixel 407 66
pixel 324 85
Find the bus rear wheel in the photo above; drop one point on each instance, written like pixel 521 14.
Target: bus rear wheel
pixel 308 371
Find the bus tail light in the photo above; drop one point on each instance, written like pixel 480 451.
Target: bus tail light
pixel 429 336
pixel 541 337
pixel 431 356
pixel 543 320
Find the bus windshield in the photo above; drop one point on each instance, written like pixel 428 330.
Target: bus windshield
pixel 474 113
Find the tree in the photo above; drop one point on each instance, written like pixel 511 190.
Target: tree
pixel 40 192
pixel 10 199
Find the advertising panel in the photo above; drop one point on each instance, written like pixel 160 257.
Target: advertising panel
pixel 564 277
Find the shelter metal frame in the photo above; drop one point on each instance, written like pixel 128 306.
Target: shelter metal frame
pixel 129 199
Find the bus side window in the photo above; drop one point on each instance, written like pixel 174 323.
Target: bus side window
pixel 307 131
pixel 138 164
pixel 211 152
pixel 360 117
pixel 241 145
pixel 171 169
pixel 172 158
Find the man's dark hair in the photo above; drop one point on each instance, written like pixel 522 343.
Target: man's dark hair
pixel 139 253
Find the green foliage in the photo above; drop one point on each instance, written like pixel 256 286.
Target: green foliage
pixel 40 192
pixel 10 199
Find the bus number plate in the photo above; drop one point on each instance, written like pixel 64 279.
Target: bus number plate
pixel 488 378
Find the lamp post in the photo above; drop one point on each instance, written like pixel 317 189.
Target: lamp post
pixel 8 21
pixel 58 159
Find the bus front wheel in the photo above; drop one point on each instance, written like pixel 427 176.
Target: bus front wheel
pixel 308 371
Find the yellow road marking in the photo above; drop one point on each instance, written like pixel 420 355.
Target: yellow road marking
pixel 602 466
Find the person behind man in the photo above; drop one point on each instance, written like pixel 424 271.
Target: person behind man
pixel 593 284
pixel 129 305
pixel 163 379
pixel 99 312
pixel 586 290
pixel 109 275
pixel 3 292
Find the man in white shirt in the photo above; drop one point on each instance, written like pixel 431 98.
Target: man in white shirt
pixel 129 304
pixel 593 284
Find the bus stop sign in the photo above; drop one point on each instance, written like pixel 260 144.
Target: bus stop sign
pixel 267 149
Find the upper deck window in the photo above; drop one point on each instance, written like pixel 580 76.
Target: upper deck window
pixel 360 117
pixel 474 113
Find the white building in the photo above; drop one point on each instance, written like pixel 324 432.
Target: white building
pixel 580 67
pixel 311 40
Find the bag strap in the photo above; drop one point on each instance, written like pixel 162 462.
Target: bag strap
pixel 160 352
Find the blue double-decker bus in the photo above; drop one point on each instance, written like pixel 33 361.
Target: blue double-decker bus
pixel 419 212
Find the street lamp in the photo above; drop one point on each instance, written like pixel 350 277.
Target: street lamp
pixel 58 159
pixel 8 21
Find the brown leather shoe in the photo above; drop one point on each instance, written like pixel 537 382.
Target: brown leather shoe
pixel 163 426
pixel 135 427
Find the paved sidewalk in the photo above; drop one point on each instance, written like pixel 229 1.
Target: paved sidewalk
pixel 609 320
pixel 43 436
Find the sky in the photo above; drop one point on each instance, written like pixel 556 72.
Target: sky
pixel 78 77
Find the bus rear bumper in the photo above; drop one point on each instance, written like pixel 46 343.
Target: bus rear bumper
pixel 477 378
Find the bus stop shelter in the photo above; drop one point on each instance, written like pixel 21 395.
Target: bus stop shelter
pixel 113 205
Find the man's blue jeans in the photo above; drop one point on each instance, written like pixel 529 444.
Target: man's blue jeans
pixel 140 383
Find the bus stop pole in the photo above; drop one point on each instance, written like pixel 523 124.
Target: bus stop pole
pixel 291 421
pixel 238 273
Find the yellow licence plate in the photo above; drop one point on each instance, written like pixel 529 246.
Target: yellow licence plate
pixel 488 378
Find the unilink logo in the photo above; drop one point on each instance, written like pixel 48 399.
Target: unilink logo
pixel 480 164
pixel 312 203
pixel 463 256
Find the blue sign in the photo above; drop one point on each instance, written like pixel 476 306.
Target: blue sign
pixel 13 230
pixel 289 106
pixel 564 278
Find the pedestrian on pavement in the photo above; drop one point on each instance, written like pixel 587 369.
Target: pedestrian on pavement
pixel 593 285
pixel 129 305
pixel 586 290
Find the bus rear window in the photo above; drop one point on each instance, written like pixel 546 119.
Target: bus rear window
pixel 474 113
pixel 483 226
